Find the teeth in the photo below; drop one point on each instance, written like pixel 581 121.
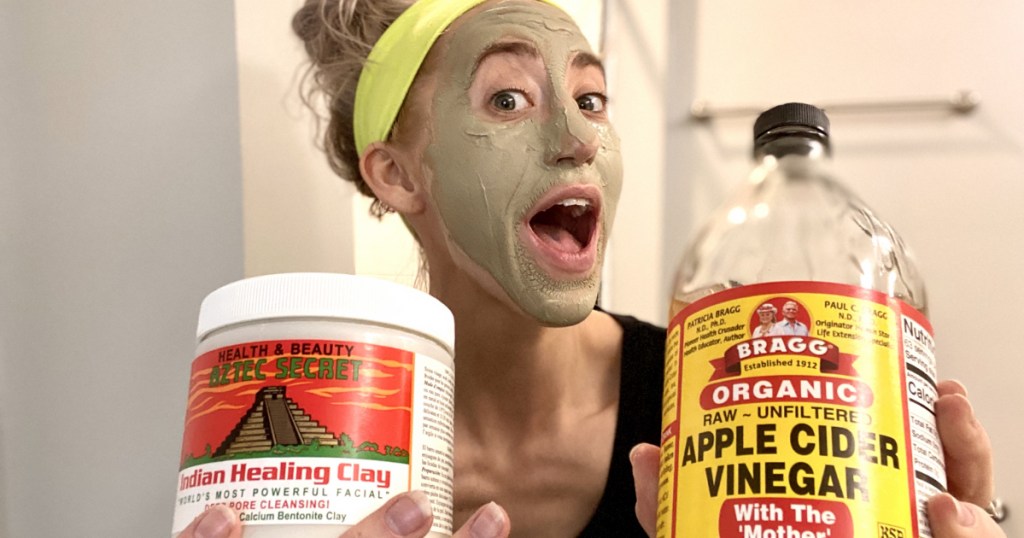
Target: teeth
pixel 574 202
pixel 577 206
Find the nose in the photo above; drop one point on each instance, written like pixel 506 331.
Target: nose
pixel 575 140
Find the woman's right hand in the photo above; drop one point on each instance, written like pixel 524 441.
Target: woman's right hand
pixel 404 516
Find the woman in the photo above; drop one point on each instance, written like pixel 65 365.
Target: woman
pixel 766 317
pixel 503 164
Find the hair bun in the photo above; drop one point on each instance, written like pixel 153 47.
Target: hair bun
pixel 338 36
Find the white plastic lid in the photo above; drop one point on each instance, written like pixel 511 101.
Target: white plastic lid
pixel 327 295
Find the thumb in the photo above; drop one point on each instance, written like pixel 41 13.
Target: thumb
pixel 645 459
pixel 405 515
pixel 217 522
pixel 951 518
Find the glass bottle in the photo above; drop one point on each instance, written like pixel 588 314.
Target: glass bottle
pixel 794 220
pixel 799 372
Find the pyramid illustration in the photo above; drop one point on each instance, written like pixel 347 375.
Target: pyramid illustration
pixel 274 419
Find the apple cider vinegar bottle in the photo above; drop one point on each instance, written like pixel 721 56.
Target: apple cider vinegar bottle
pixel 800 374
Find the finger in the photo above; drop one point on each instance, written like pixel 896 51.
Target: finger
pixel 404 515
pixel 952 386
pixel 968 451
pixel 952 519
pixel 218 521
pixel 489 521
pixel 645 459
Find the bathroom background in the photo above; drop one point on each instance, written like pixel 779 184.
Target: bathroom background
pixel 151 152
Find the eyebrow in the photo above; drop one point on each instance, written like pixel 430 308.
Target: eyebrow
pixel 517 48
pixel 586 59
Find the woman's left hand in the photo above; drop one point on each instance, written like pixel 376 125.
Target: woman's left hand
pixel 646 460
pixel 969 472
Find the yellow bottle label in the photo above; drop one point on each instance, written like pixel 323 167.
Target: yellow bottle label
pixel 798 410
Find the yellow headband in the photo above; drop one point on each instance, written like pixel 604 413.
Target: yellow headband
pixel 394 61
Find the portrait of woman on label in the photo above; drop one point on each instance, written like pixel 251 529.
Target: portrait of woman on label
pixel 766 318
pixel 497 151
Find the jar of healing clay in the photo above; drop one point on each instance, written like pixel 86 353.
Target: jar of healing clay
pixel 315 397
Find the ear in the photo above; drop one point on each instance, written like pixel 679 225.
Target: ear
pixel 390 176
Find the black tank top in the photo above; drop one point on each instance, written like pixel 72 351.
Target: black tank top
pixel 638 421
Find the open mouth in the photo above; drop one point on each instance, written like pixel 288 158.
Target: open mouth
pixel 567 226
pixel 563 228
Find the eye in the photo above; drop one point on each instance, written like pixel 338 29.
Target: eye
pixel 592 102
pixel 510 100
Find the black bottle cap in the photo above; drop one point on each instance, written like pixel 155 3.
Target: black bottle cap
pixel 791 114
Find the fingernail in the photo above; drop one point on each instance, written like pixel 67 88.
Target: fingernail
pixel 408 513
pixel 632 454
pixel 215 523
pixel 488 523
pixel 964 515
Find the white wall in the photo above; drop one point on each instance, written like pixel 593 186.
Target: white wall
pixel 9 216
pixel 298 214
pixel 637 59
pixel 120 208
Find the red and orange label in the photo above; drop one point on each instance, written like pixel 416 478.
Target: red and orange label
pixel 798 409
pixel 313 431
pixel 359 391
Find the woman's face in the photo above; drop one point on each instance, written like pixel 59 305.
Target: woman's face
pixel 525 168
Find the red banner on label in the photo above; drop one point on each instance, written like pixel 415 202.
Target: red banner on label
pixel 783 517
pixel 767 349
pixel 813 389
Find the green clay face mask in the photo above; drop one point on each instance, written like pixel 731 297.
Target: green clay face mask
pixel 526 168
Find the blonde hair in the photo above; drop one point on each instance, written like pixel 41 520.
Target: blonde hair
pixel 338 36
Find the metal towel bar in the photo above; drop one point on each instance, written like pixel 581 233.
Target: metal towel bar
pixel 962 102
